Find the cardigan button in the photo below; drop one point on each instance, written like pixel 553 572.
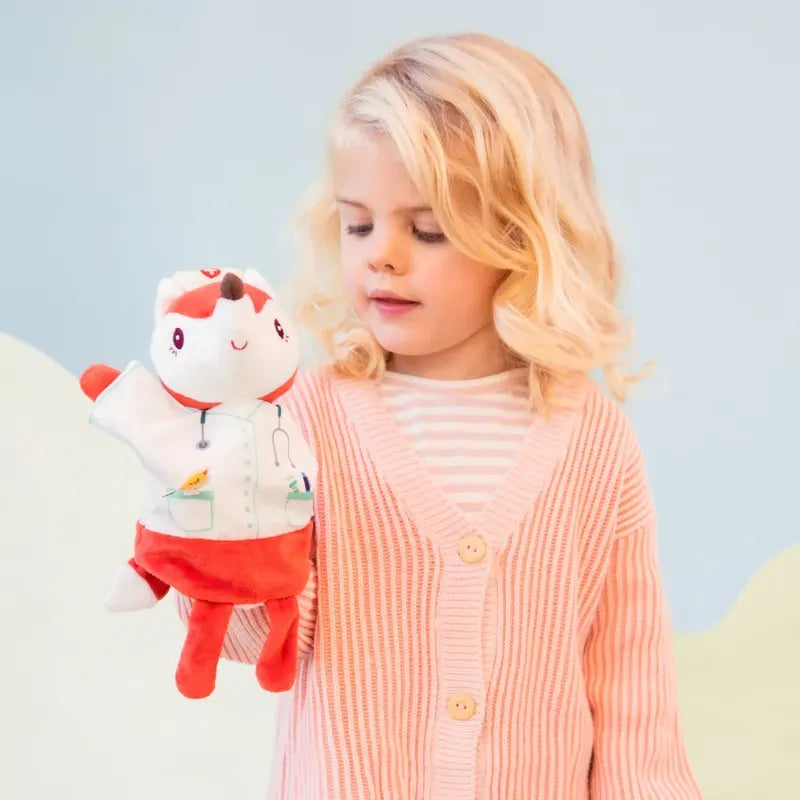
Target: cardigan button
pixel 472 548
pixel 461 706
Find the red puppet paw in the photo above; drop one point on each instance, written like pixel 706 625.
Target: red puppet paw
pixel 96 379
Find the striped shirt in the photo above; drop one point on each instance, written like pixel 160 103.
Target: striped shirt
pixel 467 432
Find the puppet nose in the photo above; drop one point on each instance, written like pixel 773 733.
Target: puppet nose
pixel 232 287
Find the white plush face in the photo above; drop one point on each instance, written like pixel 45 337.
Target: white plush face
pixel 214 349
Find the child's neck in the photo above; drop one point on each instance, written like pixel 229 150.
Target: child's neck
pixel 477 357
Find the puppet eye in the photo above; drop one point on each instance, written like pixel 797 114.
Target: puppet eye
pixel 279 329
pixel 177 338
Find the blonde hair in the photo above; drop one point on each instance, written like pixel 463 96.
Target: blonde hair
pixel 494 142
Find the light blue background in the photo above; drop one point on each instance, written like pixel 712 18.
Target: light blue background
pixel 140 138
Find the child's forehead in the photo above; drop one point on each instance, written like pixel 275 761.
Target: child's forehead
pixel 372 173
pixel 355 154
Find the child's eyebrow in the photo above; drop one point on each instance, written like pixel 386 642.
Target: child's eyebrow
pixel 357 204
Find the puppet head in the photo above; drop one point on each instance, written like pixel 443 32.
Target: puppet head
pixel 220 336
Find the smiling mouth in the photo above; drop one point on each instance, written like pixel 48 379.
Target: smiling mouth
pixel 235 347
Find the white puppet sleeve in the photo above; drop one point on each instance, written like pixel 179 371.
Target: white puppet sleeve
pixel 133 405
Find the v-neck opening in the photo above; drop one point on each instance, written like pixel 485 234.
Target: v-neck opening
pixel 428 504
pixel 510 382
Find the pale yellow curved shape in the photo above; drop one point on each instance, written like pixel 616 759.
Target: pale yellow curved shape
pixel 88 696
pixel 740 690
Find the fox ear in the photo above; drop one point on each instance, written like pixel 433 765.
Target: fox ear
pixel 168 290
pixel 255 278
pixel 180 282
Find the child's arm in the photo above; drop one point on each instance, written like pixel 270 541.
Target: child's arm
pixel 630 665
pixel 248 627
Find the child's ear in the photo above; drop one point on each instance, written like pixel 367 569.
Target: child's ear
pixel 255 278
pixel 168 290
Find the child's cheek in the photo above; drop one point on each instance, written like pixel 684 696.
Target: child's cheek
pixel 354 289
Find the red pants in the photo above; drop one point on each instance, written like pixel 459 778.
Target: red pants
pixel 217 575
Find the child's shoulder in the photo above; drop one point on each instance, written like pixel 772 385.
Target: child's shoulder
pixel 605 419
pixel 311 382
pixel 310 395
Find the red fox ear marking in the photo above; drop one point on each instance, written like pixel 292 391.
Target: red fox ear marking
pixel 168 290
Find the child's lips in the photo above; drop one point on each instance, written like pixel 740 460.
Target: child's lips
pixel 389 306
pixel 236 347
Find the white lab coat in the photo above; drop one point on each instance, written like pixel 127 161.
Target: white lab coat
pixel 246 495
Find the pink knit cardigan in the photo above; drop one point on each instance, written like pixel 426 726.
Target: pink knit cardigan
pixel 524 656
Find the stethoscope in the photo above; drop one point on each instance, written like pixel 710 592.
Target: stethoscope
pixel 295 493
pixel 288 440
pixel 204 443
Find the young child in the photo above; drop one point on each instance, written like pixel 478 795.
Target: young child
pixel 485 616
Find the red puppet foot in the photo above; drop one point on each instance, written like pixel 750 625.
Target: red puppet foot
pixel 197 668
pixel 277 665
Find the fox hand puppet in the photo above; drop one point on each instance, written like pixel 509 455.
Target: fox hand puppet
pixel 229 511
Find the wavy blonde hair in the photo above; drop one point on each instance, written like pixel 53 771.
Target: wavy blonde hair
pixel 494 142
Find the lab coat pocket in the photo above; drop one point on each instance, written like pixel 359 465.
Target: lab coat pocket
pixel 192 512
pixel 299 508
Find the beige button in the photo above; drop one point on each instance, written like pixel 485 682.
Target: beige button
pixel 461 706
pixel 472 548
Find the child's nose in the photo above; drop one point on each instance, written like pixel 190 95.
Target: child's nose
pixel 379 266
pixel 388 252
pixel 391 261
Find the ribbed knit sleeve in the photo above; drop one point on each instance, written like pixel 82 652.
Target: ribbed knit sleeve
pixel 629 663
pixel 248 627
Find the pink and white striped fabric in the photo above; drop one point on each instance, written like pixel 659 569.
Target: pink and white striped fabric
pixel 501 635
pixel 467 432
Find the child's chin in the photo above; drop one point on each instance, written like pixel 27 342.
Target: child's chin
pixel 400 345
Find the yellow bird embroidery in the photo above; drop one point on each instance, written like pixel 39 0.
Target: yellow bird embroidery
pixel 192 484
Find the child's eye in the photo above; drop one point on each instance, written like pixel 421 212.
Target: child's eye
pixel 424 236
pixel 428 236
pixel 359 230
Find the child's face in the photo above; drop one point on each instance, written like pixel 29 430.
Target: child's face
pixel 393 245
